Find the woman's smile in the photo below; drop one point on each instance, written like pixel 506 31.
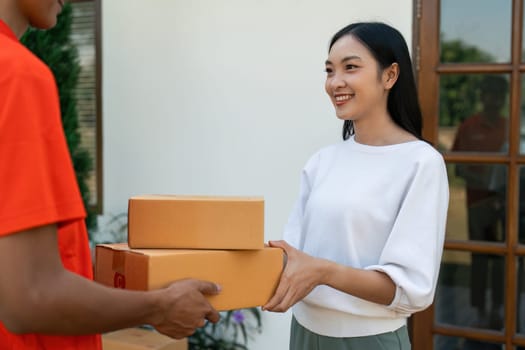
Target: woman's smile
pixel 341 99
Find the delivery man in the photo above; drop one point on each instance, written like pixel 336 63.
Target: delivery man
pixel 47 297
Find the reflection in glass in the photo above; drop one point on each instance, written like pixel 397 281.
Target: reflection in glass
pixel 522 122
pixel 520 315
pixel 442 342
pixel 521 209
pixel 473 112
pixel 471 291
pixel 484 35
pixel 523 40
pixel 477 207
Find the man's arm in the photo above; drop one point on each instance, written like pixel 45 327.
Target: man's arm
pixel 37 295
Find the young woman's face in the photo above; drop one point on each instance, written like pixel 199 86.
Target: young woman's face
pixel 353 80
pixel 40 14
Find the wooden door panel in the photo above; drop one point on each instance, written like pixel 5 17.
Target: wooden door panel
pixel 483 238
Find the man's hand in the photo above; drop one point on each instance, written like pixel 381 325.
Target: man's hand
pixel 184 307
pixel 37 295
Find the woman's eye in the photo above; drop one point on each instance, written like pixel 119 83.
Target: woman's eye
pixel 350 67
pixel 328 70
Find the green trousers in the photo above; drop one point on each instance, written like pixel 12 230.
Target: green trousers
pixel 302 339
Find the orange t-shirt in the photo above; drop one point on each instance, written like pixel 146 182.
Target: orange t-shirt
pixel 38 185
pixel 476 134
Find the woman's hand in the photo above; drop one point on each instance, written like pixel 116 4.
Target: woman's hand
pixel 301 274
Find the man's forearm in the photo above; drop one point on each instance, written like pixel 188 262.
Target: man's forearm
pixel 70 304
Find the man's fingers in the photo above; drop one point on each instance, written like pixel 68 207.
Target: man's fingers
pixel 178 333
pixel 208 288
pixel 213 316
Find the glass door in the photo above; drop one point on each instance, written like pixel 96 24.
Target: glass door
pixel 470 71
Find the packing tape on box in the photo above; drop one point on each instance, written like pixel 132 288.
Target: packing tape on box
pixel 119 260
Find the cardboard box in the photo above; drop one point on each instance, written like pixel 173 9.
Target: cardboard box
pixel 141 339
pixel 248 277
pixel 165 221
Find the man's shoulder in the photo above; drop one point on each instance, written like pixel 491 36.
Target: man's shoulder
pixel 18 61
pixel 472 120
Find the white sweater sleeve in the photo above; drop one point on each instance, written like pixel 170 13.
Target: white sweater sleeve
pixel 292 231
pixel 412 254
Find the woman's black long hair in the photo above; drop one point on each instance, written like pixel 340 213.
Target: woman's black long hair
pixel 387 46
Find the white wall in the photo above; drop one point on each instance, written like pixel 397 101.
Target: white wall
pixel 222 98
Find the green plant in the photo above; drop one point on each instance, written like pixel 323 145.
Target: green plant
pixel 56 49
pixel 232 332
pixel 459 93
pixel 114 230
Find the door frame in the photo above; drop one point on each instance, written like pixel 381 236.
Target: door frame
pixel 426 19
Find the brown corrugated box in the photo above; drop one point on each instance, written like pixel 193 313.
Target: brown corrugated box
pixel 141 339
pixel 169 221
pixel 248 277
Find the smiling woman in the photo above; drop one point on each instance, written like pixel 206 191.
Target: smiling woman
pixel 352 71
pixel 365 238
pixel 386 64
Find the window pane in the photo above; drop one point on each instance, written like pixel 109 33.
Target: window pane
pixel 521 209
pixel 522 108
pixel 475 30
pixel 473 112
pixel 442 342
pixel 83 37
pixel 471 291
pixel 477 202
pixel 520 315
pixel 523 40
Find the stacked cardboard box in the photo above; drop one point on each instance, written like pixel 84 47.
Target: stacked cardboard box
pixel 141 339
pixel 219 239
pixel 196 222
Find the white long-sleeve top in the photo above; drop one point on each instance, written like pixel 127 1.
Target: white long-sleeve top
pixel 378 208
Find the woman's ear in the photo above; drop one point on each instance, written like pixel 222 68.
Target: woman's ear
pixel 390 75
